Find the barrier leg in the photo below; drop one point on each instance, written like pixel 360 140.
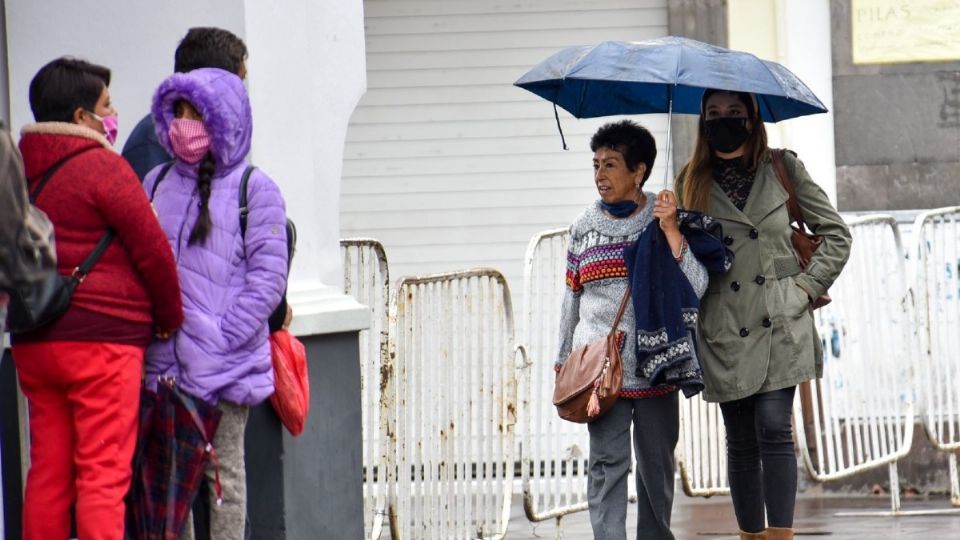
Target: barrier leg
pixel 894 488
pixel 896 511
pixel 954 481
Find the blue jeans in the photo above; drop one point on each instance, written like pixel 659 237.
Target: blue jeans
pixel 761 462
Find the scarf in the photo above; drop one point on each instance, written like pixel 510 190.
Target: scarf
pixel 665 306
pixel 620 209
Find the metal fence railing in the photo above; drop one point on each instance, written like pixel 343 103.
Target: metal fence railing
pixel 937 238
pixel 860 414
pixel 451 378
pixel 366 277
pixel 553 452
pixel 702 449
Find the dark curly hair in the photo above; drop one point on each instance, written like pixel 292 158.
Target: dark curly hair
pixel 630 139
pixel 208 47
pixel 65 85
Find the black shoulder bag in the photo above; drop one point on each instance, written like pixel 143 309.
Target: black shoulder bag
pixel 38 304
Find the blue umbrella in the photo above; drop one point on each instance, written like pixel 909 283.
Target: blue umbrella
pixel 661 76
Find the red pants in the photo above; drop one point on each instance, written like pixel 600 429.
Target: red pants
pixel 84 400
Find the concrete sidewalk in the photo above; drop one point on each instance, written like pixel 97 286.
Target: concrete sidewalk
pixel 712 519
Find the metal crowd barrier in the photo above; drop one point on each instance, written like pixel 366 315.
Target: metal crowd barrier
pixel 366 277
pixel 937 235
pixel 451 377
pixel 553 453
pixel 860 415
pixel 702 449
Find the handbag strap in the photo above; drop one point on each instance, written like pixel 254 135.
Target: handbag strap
pixel 623 308
pixel 49 174
pixel 793 207
pixel 80 272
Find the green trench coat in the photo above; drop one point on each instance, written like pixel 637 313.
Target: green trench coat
pixel 756 331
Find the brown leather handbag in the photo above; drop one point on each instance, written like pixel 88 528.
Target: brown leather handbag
pixel 589 382
pixel 804 242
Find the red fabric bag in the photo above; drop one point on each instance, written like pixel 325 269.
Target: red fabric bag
pixel 291 399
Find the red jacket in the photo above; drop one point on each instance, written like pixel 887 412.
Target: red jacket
pixel 136 278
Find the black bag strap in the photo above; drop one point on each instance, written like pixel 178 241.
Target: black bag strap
pixel 49 174
pixel 80 272
pixel 163 174
pixel 244 207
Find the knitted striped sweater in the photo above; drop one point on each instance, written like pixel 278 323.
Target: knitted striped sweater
pixel 596 281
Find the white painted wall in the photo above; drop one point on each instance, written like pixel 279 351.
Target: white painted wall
pixel 795 33
pixel 306 74
pixel 447 163
pixel 135 40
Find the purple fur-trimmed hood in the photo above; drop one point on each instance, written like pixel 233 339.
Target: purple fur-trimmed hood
pixel 221 99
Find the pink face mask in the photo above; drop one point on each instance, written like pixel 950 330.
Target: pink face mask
pixel 111 124
pixel 189 139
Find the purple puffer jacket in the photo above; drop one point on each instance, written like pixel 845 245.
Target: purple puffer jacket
pixel 230 285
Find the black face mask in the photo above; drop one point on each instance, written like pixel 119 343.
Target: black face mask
pixel 726 134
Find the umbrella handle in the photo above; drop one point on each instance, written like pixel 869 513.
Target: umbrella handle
pixel 666 166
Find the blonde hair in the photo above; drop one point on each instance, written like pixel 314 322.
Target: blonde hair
pixel 696 177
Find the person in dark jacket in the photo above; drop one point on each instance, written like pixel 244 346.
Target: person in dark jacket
pixel 81 374
pixel 203 47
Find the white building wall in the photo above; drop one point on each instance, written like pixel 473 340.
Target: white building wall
pixel 306 73
pixel 770 30
pixel 446 162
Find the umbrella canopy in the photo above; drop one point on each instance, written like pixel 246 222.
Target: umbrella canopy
pixel 663 75
pixel 173 450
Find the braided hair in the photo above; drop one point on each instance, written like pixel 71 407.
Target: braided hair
pixel 201 229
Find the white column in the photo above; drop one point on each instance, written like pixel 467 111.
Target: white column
pixel 805 47
pixel 306 73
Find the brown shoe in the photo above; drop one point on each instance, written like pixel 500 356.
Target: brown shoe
pixel 762 535
pixel 778 533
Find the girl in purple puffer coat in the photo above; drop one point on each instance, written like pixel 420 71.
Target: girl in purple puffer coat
pixel 230 281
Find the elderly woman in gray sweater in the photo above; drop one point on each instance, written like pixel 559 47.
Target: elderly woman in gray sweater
pixel 597 279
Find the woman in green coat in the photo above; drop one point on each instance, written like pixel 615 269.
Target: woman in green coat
pixel 756 334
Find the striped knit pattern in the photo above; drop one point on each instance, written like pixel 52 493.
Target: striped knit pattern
pixel 596 280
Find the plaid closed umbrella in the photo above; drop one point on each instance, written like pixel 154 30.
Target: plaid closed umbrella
pixel 173 449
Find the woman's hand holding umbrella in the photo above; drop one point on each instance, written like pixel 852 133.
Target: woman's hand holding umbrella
pixel 665 211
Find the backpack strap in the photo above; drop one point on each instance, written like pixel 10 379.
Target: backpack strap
pixel 793 207
pixel 163 174
pixel 244 207
pixel 49 174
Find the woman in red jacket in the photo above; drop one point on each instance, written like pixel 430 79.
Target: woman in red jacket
pixel 82 373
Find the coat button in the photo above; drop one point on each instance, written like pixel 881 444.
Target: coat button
pixel 759 280
pixel 744 332
pixel 735 286
pixel 766 322
pixel 754 234
pixel 728 240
